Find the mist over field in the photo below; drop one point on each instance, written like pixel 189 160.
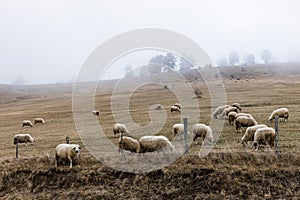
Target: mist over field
pixel 48 41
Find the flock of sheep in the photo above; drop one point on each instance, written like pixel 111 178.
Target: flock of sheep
pixel 260 134
pixel 62 151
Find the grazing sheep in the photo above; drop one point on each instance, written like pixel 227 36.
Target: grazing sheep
pixel 26 123
pixel 128 143
pixel 226 111
pixel 155 143
pixel 237 105
pixel 178 130
pixel 249 133
pixel 175 109
pixel 244 121
pixel 281 113
pixel 244 114
pixel 178 105
pixel 96 112
pixel 231 117
pixel 219 111
pixel 39 121
pixel 265 136
pixel 23 138
pixel 120 129
pixel 67 151
pixel 204 131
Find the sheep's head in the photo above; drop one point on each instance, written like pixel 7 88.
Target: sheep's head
pixel 76 149
pixel 270 118
pixel 31 140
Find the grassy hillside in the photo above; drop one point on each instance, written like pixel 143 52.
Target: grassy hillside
pixel 229 171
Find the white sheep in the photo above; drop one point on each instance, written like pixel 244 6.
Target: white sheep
pixel 39 121
pixel 203 131
pixel 231 117
pixel 128 143
pixel 26 123
pixel 178 105
pixel 281 113
pixel 67 151
pixel 265 136
pixel 23 138
pixel 226 111
pixel 120 129
pixel 155 143
pixel 175 109
pixel 244 114
pixel 96 112
pixel 249 133
pixel 243 121
pixel 219 111
pixel 178 130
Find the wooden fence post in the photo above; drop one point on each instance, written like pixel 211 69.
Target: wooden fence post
pixel 276 137
pixel 17 148
pixel 185 129
pixel 67 140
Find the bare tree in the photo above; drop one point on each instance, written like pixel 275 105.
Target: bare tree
pixel 266 55
pixel 234 58
pixel 249 59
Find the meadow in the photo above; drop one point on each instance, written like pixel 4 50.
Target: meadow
pixel 229 171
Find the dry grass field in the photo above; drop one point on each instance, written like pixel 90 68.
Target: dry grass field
pixel 230 171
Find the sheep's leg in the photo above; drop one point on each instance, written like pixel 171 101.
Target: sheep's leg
pixel 56 158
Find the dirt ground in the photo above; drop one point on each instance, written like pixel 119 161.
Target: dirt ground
pixel 230 171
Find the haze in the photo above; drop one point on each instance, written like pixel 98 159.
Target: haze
pixel 48 41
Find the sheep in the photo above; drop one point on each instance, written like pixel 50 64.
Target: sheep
pixel 39 121
pixel 178 105
pixel 155 143
pixel 175 109
pixel 281 113
pixel 178 130
pixel 26 123
pixel 226 111
pixel 243 121
pixel 265 136
pixel 219 111
pixel 67 151
pixel 120 129
pixel 234 115
pixel 96 112
pixel 244 114
pixel 204 131
pixel 249 133
pixel 237 105
pixel 128 143
pixel 231 117
pixel 23 138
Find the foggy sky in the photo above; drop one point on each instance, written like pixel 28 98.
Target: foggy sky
pixel 48 41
